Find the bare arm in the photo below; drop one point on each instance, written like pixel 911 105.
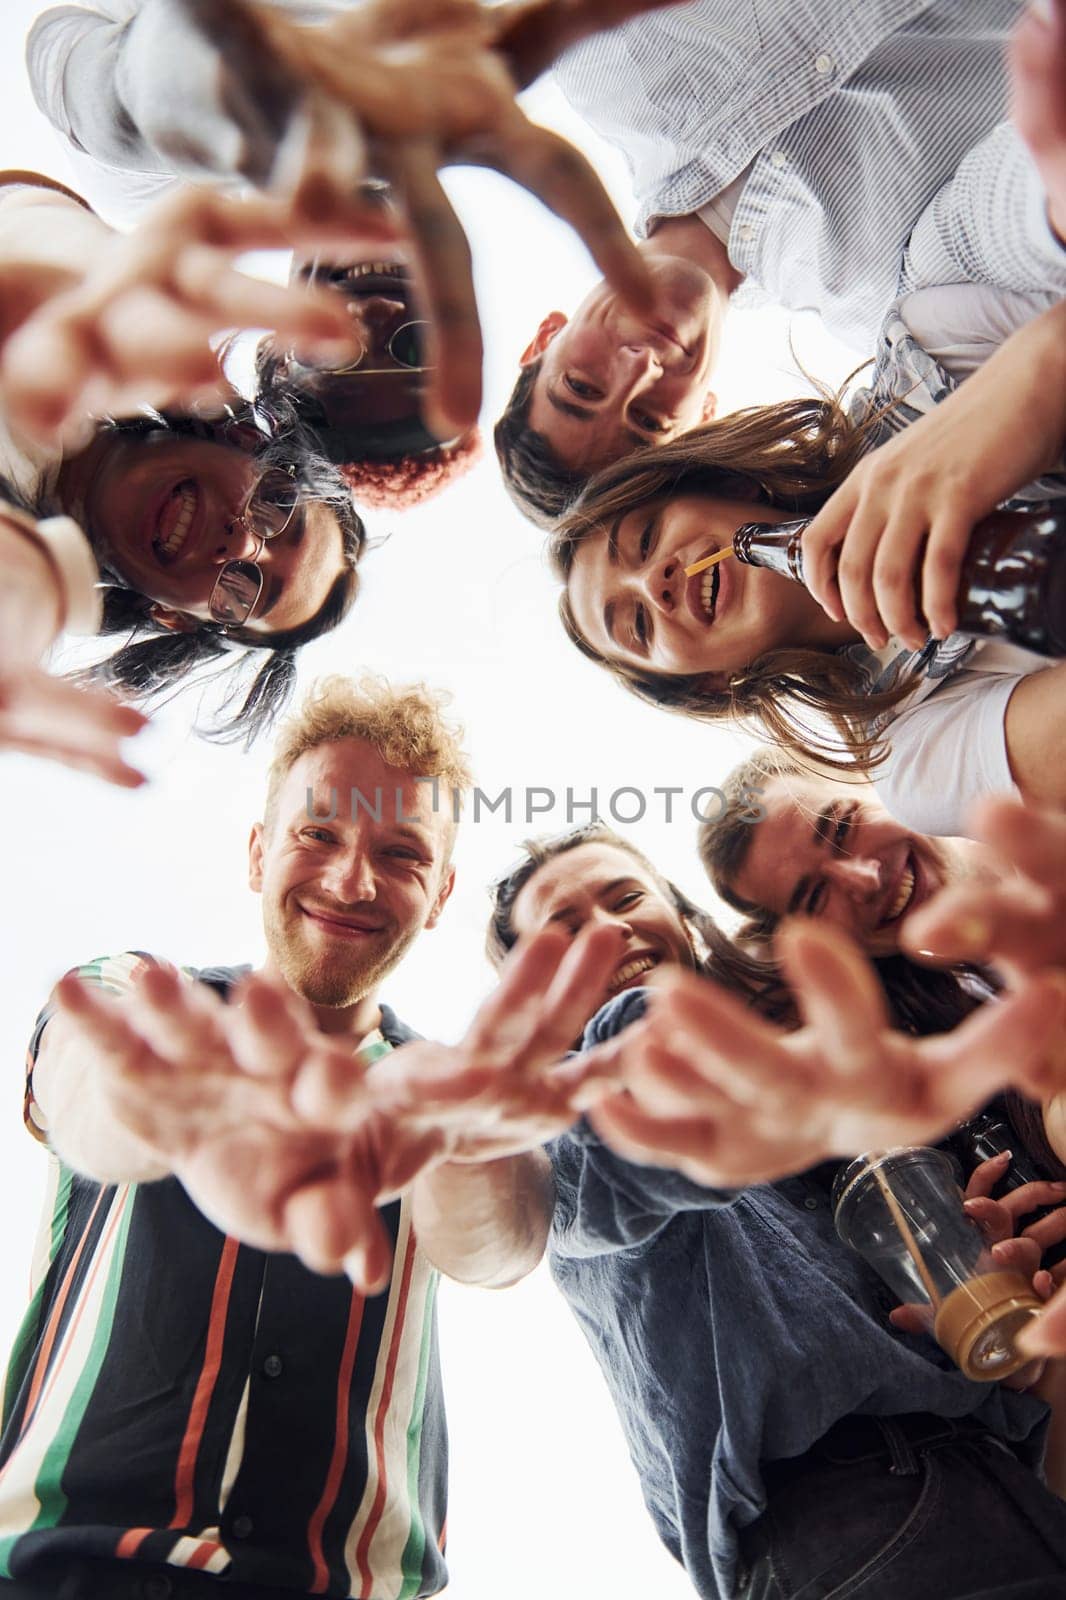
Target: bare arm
pixel 486 1223
pixel 1035 728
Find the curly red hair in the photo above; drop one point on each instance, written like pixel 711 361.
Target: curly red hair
pixel 409 480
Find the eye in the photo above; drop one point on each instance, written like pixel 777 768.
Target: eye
pixel 842 830
pixel 632 897
pixel 584 391
pixel 403 852
pixel 567 920
pixel 640 624
pixel 645 540
pixel 650 424
pixel 318 835
pixel 815 901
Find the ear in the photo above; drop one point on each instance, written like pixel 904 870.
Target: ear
pixel 542 338
pixel 255 859
pixel 173 621
pixel 441 901
pixel 710 407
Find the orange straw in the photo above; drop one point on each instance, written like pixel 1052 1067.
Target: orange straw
pixel 708 561
pixel 903 1226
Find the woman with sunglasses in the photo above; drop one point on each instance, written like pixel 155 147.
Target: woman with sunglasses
pixel 197 541
pixel 936 722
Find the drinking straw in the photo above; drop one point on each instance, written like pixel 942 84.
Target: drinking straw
pixel 709 561
pixel 896 1212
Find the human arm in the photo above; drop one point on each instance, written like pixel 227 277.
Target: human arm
pixel 886 550
pixel 390 90
pixel 730 1099
pixel 482 1215
pixel 163 1079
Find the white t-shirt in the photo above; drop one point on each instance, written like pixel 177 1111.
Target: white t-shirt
pixel 950 749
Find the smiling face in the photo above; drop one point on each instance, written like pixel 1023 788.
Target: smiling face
pixel 344 899
pixel 831 850
pixel 382 389
pixel 610 382
pixel 162 509
pixel 632 602
pixel 601 883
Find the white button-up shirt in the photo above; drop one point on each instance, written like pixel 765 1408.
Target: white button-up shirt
pixel 852 117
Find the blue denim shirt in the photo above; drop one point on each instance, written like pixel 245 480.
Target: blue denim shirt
pixel 734 1329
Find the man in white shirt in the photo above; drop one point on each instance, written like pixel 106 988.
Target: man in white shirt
pixel 827 155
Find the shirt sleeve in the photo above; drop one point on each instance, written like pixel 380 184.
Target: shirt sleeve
pixel 114 975
pixel 136 87
pixel 948 752
pixel 604 1203
pixel 988 224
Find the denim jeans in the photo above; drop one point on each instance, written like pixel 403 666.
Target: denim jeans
pixel 960 1518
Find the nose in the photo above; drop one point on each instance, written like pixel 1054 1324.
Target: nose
pixel 858 876
pixel 662 585
pixel 350 878
pixel 604 917
pixel 240 543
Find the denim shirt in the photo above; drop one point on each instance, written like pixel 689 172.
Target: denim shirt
pixel 732 1329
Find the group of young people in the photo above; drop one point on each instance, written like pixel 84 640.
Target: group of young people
pixel 227 1381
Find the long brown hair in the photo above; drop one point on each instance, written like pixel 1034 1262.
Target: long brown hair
pixel 792 455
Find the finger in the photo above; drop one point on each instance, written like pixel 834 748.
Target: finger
pixel 821 543
pixel 179 351
pixel 101 1020
pixel 838 993
pixel 581 983
pixel 999 1044
pixel 1029 1197
pixel 895 568
pixel 1050 1230
pixel 855 572
pixel 987 1174
pixel 506 1021
pixel 445 285
pixel 326 1221
pixel 180 1020
pixel 1021 1255
pixel 369 1264
pixel 560 176
pixel 912 1318
pixel 664 1083
pixel 993 1219
pixel 725 1042
pixel 205 279
pixel 1045 1335
pixel 1015 921
pixel 267 1032
pixel 949 537
pixel 44 368
pixel 98 763
pixel 1032 839
pixel 329 1089
pixel 656 1141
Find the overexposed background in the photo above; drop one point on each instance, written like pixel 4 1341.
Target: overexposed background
pixel 543 1496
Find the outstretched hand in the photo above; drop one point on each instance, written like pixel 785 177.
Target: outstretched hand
pixel 428 83
pixel 730 1099
pixel 208 1088
pixel 84 351
pixel 504 1087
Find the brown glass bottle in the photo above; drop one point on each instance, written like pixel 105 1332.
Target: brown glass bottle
pixel 1013 583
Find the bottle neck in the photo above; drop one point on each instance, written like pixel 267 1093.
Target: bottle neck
pixel 777 546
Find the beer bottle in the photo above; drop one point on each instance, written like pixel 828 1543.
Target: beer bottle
pixel 1013 582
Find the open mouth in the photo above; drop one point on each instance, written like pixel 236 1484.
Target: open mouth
pixel 367 279
pixel 174 522
pixel 904 894
pixel 702 589
pixel 631 971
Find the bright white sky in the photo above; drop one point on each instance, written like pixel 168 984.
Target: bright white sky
pixel 543 1498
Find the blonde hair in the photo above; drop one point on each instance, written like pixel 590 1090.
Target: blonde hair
pixel 404 723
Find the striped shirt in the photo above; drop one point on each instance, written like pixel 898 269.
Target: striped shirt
pixel 179 1399
pixel 852 119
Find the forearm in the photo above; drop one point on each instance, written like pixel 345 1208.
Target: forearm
pixel 1035 728
pixel 78 1116
pixel 30 600
pixel 485 1223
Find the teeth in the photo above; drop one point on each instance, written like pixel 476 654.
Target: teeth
pixel 709 591
pixel 631 970
pixel 179 533
pixel 377 269
pixel 903 895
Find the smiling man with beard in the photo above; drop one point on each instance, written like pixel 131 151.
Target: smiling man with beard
pixel 216 1418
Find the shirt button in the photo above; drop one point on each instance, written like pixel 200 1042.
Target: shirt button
pixel 824 64
pixel 273 1367
pixel 243 1527
pixel 746 232
pixel 811 1203
pixel 779 159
